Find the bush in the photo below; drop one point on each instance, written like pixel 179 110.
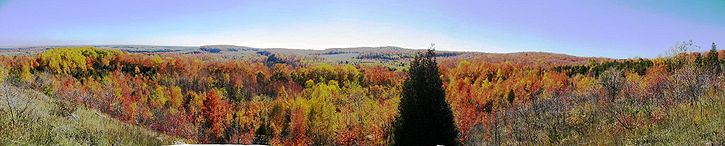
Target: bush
pixel 63 108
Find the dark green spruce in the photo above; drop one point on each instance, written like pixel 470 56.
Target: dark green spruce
pixel 425 116
pixel 712 61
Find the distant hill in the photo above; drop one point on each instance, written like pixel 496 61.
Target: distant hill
pixel 354 55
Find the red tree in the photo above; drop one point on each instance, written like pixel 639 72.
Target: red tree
pixel 215 111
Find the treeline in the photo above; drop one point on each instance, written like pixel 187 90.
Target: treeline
pixel 710 60
pixel 398 56
pixel 638 65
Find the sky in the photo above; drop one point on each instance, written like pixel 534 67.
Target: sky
pixel 617 29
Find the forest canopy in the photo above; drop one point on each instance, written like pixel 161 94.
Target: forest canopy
pixel 209 98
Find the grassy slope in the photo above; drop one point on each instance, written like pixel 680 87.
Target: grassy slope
pixel 39 126
pixel 697 123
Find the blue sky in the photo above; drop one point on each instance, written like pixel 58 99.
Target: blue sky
pixel 620 29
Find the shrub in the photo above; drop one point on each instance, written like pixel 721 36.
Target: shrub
pixel 63 108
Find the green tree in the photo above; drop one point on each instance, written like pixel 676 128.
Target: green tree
pixel 323 117
pixel 711 62
pixel 425 116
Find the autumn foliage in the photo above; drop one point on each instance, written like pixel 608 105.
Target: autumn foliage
pixel 521 101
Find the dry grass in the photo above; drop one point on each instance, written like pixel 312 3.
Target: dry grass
pixel 38 125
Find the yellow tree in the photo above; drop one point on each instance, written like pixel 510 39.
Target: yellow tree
pixel 176 98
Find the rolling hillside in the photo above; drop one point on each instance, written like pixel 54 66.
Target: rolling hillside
pixel 389 55
pixel 36 119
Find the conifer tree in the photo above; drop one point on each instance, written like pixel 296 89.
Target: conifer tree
pixel 425 116
pixel 712 62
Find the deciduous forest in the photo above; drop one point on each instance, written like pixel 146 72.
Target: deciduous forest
pixel 282 99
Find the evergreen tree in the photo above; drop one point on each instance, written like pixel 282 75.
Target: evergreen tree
pixel 712 62
pixel 425 116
